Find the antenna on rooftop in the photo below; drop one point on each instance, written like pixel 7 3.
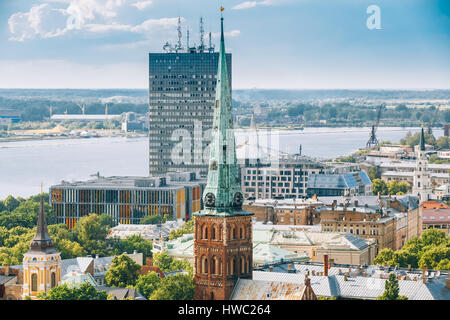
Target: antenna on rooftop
pixel 179 45
pixel 187 41
pixel 202 34
pixel 211 47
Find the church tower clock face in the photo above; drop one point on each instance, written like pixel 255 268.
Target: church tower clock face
pixel 238 199
pixel 210 200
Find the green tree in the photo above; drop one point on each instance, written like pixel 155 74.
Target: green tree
pixel 131 243
pixel 432 249
pixel 373 173
pixel 433 257
pixel 155 219
pixel 91 234
pixel 379 186
pixel 385 256
pixel 162 260
pixel 123 272
pixel 184 265
pixel 447 116
pixel 85 292
pixel 146 284
pixel 395 187
pixel 443 142
pixel 391 289
pixel 11 203
pixel 177 287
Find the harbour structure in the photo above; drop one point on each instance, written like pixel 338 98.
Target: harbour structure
pixel 181 106
pixel 222 230
pixel 127 199
pixel 9 116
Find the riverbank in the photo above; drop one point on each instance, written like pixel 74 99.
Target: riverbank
pixel 18 138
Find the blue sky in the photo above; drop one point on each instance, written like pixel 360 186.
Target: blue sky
pixel 293 44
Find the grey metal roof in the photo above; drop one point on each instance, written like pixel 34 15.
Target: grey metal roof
pixel 122 293
pixel 320 285
pixel 5 279
pixel 266 290
pixel 357 286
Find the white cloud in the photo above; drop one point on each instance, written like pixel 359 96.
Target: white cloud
pixel 45 21
pixel 252 4
pixel 141 5
pixel 41 20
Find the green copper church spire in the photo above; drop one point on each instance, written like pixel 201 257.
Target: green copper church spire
pixel 222 195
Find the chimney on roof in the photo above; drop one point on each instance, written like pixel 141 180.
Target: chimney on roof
pixel 424 271
pixel 325 265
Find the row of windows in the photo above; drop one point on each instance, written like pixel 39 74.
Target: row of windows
pixel 112 196
pixel 183 76
pixel 215 266
pixel 215 233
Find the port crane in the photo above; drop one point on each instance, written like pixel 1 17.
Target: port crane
pixel 373 141
pixel 82 107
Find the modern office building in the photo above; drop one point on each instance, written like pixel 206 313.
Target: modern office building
pixel 127 199
pixel 181 100
pixel 288 179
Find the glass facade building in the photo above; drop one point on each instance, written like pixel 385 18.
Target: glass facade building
pixel 181 99
pixel 126 199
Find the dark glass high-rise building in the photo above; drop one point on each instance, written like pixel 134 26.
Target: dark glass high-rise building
pixel 181 101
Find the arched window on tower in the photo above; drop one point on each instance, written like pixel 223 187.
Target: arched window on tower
pixel 34 282
pixel 214 234
pixel 232 265
pixel 204 265
pixel 213 265
pixel 242 264
pixel 204 232
pixel 53 280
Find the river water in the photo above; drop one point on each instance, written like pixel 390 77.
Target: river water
pixel 24 165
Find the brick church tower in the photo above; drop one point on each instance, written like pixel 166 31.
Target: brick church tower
pixel 223 231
